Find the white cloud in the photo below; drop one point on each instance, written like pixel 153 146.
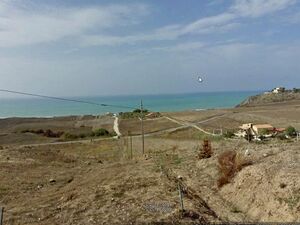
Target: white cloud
pixel 189 46
pixel 219 23
pixel 21 24
pixel 256 8
pixel 24 27
pixel 205 23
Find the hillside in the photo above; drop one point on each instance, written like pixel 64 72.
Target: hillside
pixel 268 98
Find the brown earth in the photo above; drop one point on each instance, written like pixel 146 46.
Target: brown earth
pixel 98 182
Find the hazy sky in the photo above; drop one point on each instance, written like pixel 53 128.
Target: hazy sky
pixel 110 47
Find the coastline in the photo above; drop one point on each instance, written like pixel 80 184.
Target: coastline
pixel 40 108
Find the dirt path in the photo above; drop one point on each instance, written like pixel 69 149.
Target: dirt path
pixel 183 124
pixel 194 125
pixel 116 126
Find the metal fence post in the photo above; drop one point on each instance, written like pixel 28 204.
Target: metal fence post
pixel 180 197
pixel 1 215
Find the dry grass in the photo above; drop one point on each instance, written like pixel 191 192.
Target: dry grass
pixel 134 125
pixel 229 163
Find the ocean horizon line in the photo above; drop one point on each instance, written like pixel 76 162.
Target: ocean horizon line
pixel 127 95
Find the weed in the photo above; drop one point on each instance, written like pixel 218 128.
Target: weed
pixel 292 201
pixel 235 210
pixel 229 163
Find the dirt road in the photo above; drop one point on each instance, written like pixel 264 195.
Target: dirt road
pixel 116 126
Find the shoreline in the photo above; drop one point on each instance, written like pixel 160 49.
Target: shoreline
pixel 107 114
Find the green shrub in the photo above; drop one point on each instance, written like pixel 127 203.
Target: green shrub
pixel 47 133
pixel 290 131
pixel 70 136
pixel 134 114
pixel 228 134
pixel 51 134
pixel 82 135
pixel 101 132
pixel 264 131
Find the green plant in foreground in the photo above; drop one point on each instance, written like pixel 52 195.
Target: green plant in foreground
pixel 290 131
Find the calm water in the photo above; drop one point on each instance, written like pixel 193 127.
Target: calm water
pixel 36 107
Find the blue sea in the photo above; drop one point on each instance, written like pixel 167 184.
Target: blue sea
pixel 39 107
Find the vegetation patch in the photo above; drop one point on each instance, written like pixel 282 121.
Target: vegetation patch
pixel 204 136
pixel 229 163
pixel 293 201
pixel 134 114
pixel 290 131
pixel 101 132
pixel 228 134
pixel 47 133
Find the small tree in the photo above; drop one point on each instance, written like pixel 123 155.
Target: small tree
pixel 101 132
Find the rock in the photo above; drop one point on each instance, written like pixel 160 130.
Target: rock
pixel 51 181
pixel 282 185
pixel 265 154
pixel 39 186
pixel 247 152
pixel 179 177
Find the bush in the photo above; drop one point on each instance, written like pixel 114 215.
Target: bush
pixel 139 111
pixel 206 151
pixel 134 114
pixel 70 136
pixel 82 135
pixel 101 132
pixel 51 134
pixel 281 136
pixel 296 90
pixel 228 134
pixel 290 131
pixel 229 163
pixel 47 133
pixel 264 132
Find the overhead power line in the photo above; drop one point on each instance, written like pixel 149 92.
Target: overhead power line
pixel 66 99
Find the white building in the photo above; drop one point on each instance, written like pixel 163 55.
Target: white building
pixel 278 90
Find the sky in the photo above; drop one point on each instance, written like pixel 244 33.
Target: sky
pixel 117 47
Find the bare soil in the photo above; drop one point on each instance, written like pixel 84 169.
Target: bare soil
pixel 98 182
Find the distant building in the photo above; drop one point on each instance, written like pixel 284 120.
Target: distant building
pixel 259 128
pixel 153 115
pixel 255 130
pixel 278 90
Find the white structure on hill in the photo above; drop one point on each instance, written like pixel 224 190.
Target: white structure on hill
pixel 278 90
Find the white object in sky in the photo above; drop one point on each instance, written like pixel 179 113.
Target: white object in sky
pixel 200 79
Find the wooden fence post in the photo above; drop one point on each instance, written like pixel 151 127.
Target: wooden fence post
pixel 131 146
